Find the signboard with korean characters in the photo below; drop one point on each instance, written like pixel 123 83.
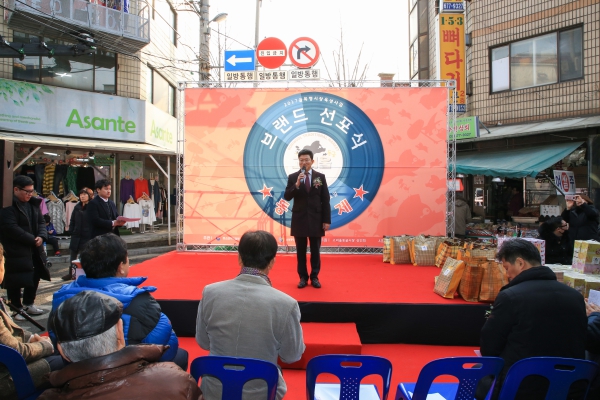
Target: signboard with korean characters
pixel 453 56
pixel 565 180
pixel 464 128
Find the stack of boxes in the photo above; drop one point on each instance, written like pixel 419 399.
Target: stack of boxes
pixel 586 256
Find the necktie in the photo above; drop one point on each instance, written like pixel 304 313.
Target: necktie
pixel 307 182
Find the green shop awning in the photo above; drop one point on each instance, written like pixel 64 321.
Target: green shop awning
pixel 516 163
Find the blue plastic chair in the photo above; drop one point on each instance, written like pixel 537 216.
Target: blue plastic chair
pixel 349 376
pixel 561 372
pixel 468 378
pixel 17 367
pixel 234 372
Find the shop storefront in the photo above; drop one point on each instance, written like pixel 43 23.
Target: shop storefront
pixel 508 174
pixel 66 139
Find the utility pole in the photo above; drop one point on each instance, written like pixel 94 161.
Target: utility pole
pixel 204 56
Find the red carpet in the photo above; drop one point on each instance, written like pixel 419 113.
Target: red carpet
pixel 345 278
pixel 407 361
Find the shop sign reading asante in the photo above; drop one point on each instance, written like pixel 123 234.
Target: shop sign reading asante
pixel 54 111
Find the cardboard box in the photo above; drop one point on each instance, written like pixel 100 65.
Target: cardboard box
pixel 591 283
pixel 586 256
pixel 538 243
pixel 575 282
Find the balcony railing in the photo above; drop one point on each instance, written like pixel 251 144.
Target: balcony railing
pixel 130 22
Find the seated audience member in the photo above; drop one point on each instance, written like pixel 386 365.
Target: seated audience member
pixel 533 316
pixel 89 331
pixel 106 265
pixel 592 344
pixel 36 350
pixel 247 317
pixel 51 240
pixel 555 232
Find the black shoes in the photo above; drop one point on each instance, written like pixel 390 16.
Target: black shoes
pixel 315 283
pixel 302 284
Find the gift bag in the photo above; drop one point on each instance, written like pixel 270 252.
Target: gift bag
pixel 424 250
pixel 386 249
pixel 449 279
pixel 494 278
pixel 400 250
pixel 470 283
pixel 449 248
pixel 487 252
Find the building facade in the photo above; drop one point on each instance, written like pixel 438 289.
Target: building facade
pixel 533 80
pixel 112 100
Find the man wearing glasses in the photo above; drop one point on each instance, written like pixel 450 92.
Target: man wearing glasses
pixel 22 232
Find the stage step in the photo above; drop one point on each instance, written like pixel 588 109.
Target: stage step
pixel 326 338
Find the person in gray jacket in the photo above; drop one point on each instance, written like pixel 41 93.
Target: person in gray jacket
pixel 247 317
pixel 462 214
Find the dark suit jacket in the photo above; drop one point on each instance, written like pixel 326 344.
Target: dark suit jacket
pixel 98 219
pixel 311 209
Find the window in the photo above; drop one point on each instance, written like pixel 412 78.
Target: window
pixel 92 73
pixel 162 94
pixel 542 60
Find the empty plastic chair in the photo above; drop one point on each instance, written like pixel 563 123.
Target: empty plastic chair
pixel 234 372
pixel 561 372
pixel 468 376
pixel 350 376
pixel 17 367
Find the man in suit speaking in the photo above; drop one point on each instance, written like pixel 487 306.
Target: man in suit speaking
pixel 101 211
pixel 311 215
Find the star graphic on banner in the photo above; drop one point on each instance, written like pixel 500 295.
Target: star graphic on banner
pixel 360 192
pixel 266 192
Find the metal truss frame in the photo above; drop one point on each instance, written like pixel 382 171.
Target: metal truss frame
pixel 309 84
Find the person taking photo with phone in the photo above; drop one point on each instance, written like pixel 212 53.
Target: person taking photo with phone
pixel 582 217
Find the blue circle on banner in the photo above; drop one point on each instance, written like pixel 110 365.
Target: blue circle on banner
pixel 346 146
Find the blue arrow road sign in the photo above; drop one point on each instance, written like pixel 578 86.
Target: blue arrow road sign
pixel 240 60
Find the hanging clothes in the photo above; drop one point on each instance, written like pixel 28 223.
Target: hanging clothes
pixel 154 193
pixel 43 206
pixel 60 174
pixel 48 185
pixel 132 210
pixel 148 215
pixel 85 178
pixel 69 207
pixel 141 187
pixel 127 189
pixel 72 179
pixel 56 210
pixel 39 177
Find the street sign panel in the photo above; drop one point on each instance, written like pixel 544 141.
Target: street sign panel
pixel 272 75
pixel 304 52
pixel 271 53
pixel 242 76
pixel 239 60
pixel 305 74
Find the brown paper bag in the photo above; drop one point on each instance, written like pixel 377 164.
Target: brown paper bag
pixel 400 250
pixel 470 283
pixel 386 249
pixel 424 250
pixel 449 279
pixel 447 249
pixel 494 278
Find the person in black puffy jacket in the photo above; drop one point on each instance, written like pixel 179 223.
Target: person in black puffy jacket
pixel 582 218
pixel 555 232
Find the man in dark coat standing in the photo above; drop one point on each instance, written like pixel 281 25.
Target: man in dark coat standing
pixel 533 316
pixel 311 215
pixel 23 231
pixel 101 212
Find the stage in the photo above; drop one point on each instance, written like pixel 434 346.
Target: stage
pixel 388 303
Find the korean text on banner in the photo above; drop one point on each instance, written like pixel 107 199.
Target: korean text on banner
pixel 565 180
pixel 453 57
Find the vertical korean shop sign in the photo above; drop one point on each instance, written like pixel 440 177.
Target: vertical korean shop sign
pixel 453 56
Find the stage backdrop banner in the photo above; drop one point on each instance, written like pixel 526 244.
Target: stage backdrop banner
pixel 382 150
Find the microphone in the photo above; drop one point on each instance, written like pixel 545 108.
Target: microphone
pixel 304 172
